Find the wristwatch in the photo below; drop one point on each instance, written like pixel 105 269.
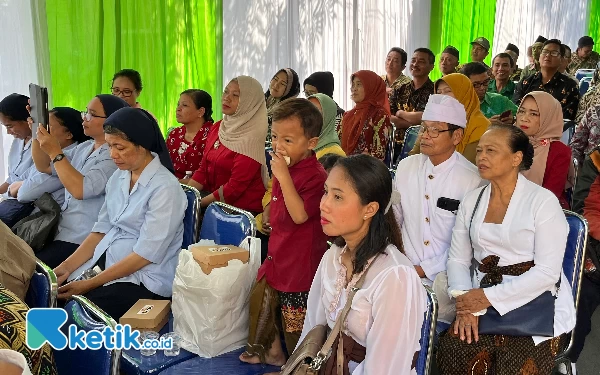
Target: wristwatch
pixel 58 157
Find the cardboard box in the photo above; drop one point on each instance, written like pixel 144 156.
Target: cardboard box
pixel 216 256
pixel 147 315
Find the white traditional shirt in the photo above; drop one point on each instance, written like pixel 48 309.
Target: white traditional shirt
pixel 426 228
pixel 534 229
pixel 386 313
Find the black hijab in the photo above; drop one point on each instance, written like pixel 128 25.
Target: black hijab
pixel 71 119
pixel 141 129
pixel 111 103
pixel 323 81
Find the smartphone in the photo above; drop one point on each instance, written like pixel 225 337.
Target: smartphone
pixel 38 101
pixel 448 204
pixel 506 114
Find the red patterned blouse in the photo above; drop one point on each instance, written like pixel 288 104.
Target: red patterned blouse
pixel 186 156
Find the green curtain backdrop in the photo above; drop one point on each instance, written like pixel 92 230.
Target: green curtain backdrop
pixel 174 44
pixel 594 23
pixel 461 22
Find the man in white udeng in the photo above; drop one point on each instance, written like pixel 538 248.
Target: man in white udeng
pixel 432 185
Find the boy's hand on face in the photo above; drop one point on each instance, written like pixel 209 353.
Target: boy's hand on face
pixel 279 167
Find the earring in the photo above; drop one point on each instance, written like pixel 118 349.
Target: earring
pixel 365 217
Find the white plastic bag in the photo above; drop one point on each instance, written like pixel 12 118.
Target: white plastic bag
pixel 211 311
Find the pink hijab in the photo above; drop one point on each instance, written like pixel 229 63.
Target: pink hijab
pixel 551 129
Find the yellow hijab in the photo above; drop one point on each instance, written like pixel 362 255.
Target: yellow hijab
pixel 463 91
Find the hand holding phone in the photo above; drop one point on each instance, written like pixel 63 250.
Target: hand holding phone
pixel 38 104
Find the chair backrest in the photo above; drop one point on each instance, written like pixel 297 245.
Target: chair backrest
pixel 43 287
pixel 573 261
pixel 191 220
pixel 427 334
pixel 268 157
pixel 227 225
pixel 581 73
pixel 410 138
pixel 391 143
pixel 87 317
pixel 584 85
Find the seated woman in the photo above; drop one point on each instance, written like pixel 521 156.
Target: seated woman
pixel 13 115
pixel 460 88
pixel 233 167
pixel 515 232
pixel 285 84
pixel 364 128
pixel 329 143
pixel 540 117
pixel 83 171
pixel 139 229
pixel 127 84
pixel 387 312
pixel 186 143
pixel 323 83
pixel 66 126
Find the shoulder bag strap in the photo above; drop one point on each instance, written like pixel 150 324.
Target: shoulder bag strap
pixel 473 214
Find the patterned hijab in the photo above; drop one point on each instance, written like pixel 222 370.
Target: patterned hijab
pixel 463 91
pixel 375 98
pixel 328 136
pixel 551 129
pixel 245 131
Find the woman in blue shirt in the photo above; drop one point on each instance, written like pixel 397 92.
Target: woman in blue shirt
pixel 13 115
pixel 66 127
pixel 140 227
pixel 83 171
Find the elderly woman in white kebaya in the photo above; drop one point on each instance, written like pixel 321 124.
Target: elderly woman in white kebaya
pixel 513 313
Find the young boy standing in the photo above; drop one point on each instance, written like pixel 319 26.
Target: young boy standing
pixel 297 241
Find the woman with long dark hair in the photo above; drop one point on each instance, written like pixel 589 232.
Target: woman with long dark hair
pixel 383 327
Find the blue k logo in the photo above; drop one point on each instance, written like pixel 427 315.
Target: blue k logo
pixel 43 325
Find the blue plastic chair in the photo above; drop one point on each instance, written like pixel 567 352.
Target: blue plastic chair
pixel 227 225
pixel 573 264
pixel 427 334
pixel 43 288
pixel 582 73
pixel 584 85
pixel 87 317
pixel 410 138
pixel 191 219
pixel 391 143
pixel 268 151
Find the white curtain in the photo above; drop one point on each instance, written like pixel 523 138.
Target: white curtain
pixel 341 36
pixel 520 22
pixel 24 56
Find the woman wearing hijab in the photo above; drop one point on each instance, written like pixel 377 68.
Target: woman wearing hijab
pixel 364 128
pixel 329 143
pixel 460 88
pixel 233 167
pixel 540 117
pixel 83 171
pixel 323 83
pixel 285 84
pixel 138 234
pixel 66 126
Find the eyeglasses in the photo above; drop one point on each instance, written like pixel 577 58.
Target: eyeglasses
pixel 554 53
pixel 477 85
pixel 88 116
pixel 124 93
pixel 433 132
pixel 309 93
